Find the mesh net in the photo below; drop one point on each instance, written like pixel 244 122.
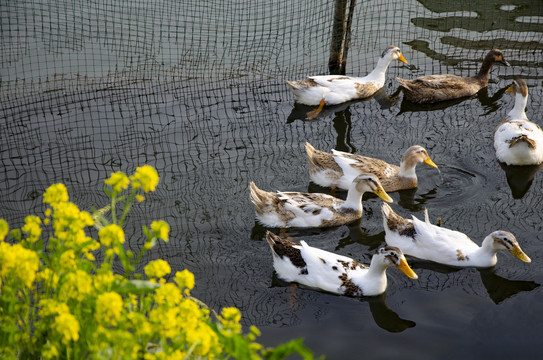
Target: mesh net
pixel 196 89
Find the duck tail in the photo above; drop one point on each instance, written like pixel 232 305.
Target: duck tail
pixel 278 245
pixel 315 157
pixel 258 196
pixel 403 83
pixel 293 84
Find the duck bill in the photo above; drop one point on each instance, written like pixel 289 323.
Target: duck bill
pixel 429 162
pixel 402 59
pixel 520 254
pixel 404 267
pixel 505 63
pixel 509 89
pixel 382 194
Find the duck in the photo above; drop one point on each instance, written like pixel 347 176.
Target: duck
pixel 302 210
pixel 435 88
pixel 336 89
pixel 426 241
pixel 338 274
pixel 338 169
pixel 517 140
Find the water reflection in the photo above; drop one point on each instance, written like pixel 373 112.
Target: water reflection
pixel 386 318
pixel 497 287
pixel 299 111
pixel 489 16
pixel 520 178
pixel 383 316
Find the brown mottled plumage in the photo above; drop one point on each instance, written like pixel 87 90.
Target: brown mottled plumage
pixel 298 209
pixel 339 168
pixel 434 88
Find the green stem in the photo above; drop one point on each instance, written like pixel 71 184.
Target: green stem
pixel 127 206
pixel 113 203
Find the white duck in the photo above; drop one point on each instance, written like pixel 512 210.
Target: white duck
pixel 517 140
pixel 336 89
pixel 334 273
pixel 339 168
pixel 299 209
pixel 426 241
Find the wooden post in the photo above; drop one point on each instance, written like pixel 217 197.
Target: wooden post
pixel 341 36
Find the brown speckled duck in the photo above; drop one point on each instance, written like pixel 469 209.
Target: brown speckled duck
pixel 434 88
pixel 334 273
pixel 426 241
pixel 299 209
pixel 338 169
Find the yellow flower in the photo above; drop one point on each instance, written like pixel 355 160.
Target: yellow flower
pixel 48 277
pixel 230 317
pixel 77 285
pixel 50 307
pixel 67 261
pixel 118 182
pixel 56 193
pixel 184 279
pixel 145 177
pixel 32 228
pixel 111 235
pixel 157 268
pixel 109 306
pixel 4 229
pixel 67 326
pixel 49 351
pixel 18 264
pixel 168 294
pixel 140 198
pixel 103 281
pixel 160 229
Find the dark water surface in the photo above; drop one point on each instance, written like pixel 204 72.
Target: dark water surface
pixel 214 119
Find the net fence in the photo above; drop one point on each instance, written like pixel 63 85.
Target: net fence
pixel 196 88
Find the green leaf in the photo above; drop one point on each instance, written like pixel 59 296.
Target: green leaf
pixel 293 346
pixel 136 287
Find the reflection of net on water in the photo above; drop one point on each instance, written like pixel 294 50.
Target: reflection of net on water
pixel 196 88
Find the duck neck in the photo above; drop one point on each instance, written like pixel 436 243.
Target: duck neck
pixel 377 271
pixel 407 169
pixel 485 70
pixel 353 200
pixel 378 74
pixel 485 255
pixel 518 111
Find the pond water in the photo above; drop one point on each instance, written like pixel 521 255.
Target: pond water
pixel 210 135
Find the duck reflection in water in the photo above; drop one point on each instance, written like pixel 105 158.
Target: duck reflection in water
pixel 520 178
pixel 497 287
pixel 299 111
pixel 384 317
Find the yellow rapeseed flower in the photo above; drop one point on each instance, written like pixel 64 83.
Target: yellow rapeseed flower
pixel 18 264
pixel 111 235
pixel 185 280
pixel 56 193
pixel 49 351
pixel 157 268
pixel 230 317
pixel 160 229
pixel 168 294
pixel 77 286
pixel 48 277
pixel 32 228
pixel 67 261
pixel 109 306
pixel 118 181
pixel 67 326
pixel 4 229
pixel 49 307
pixel 145 177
